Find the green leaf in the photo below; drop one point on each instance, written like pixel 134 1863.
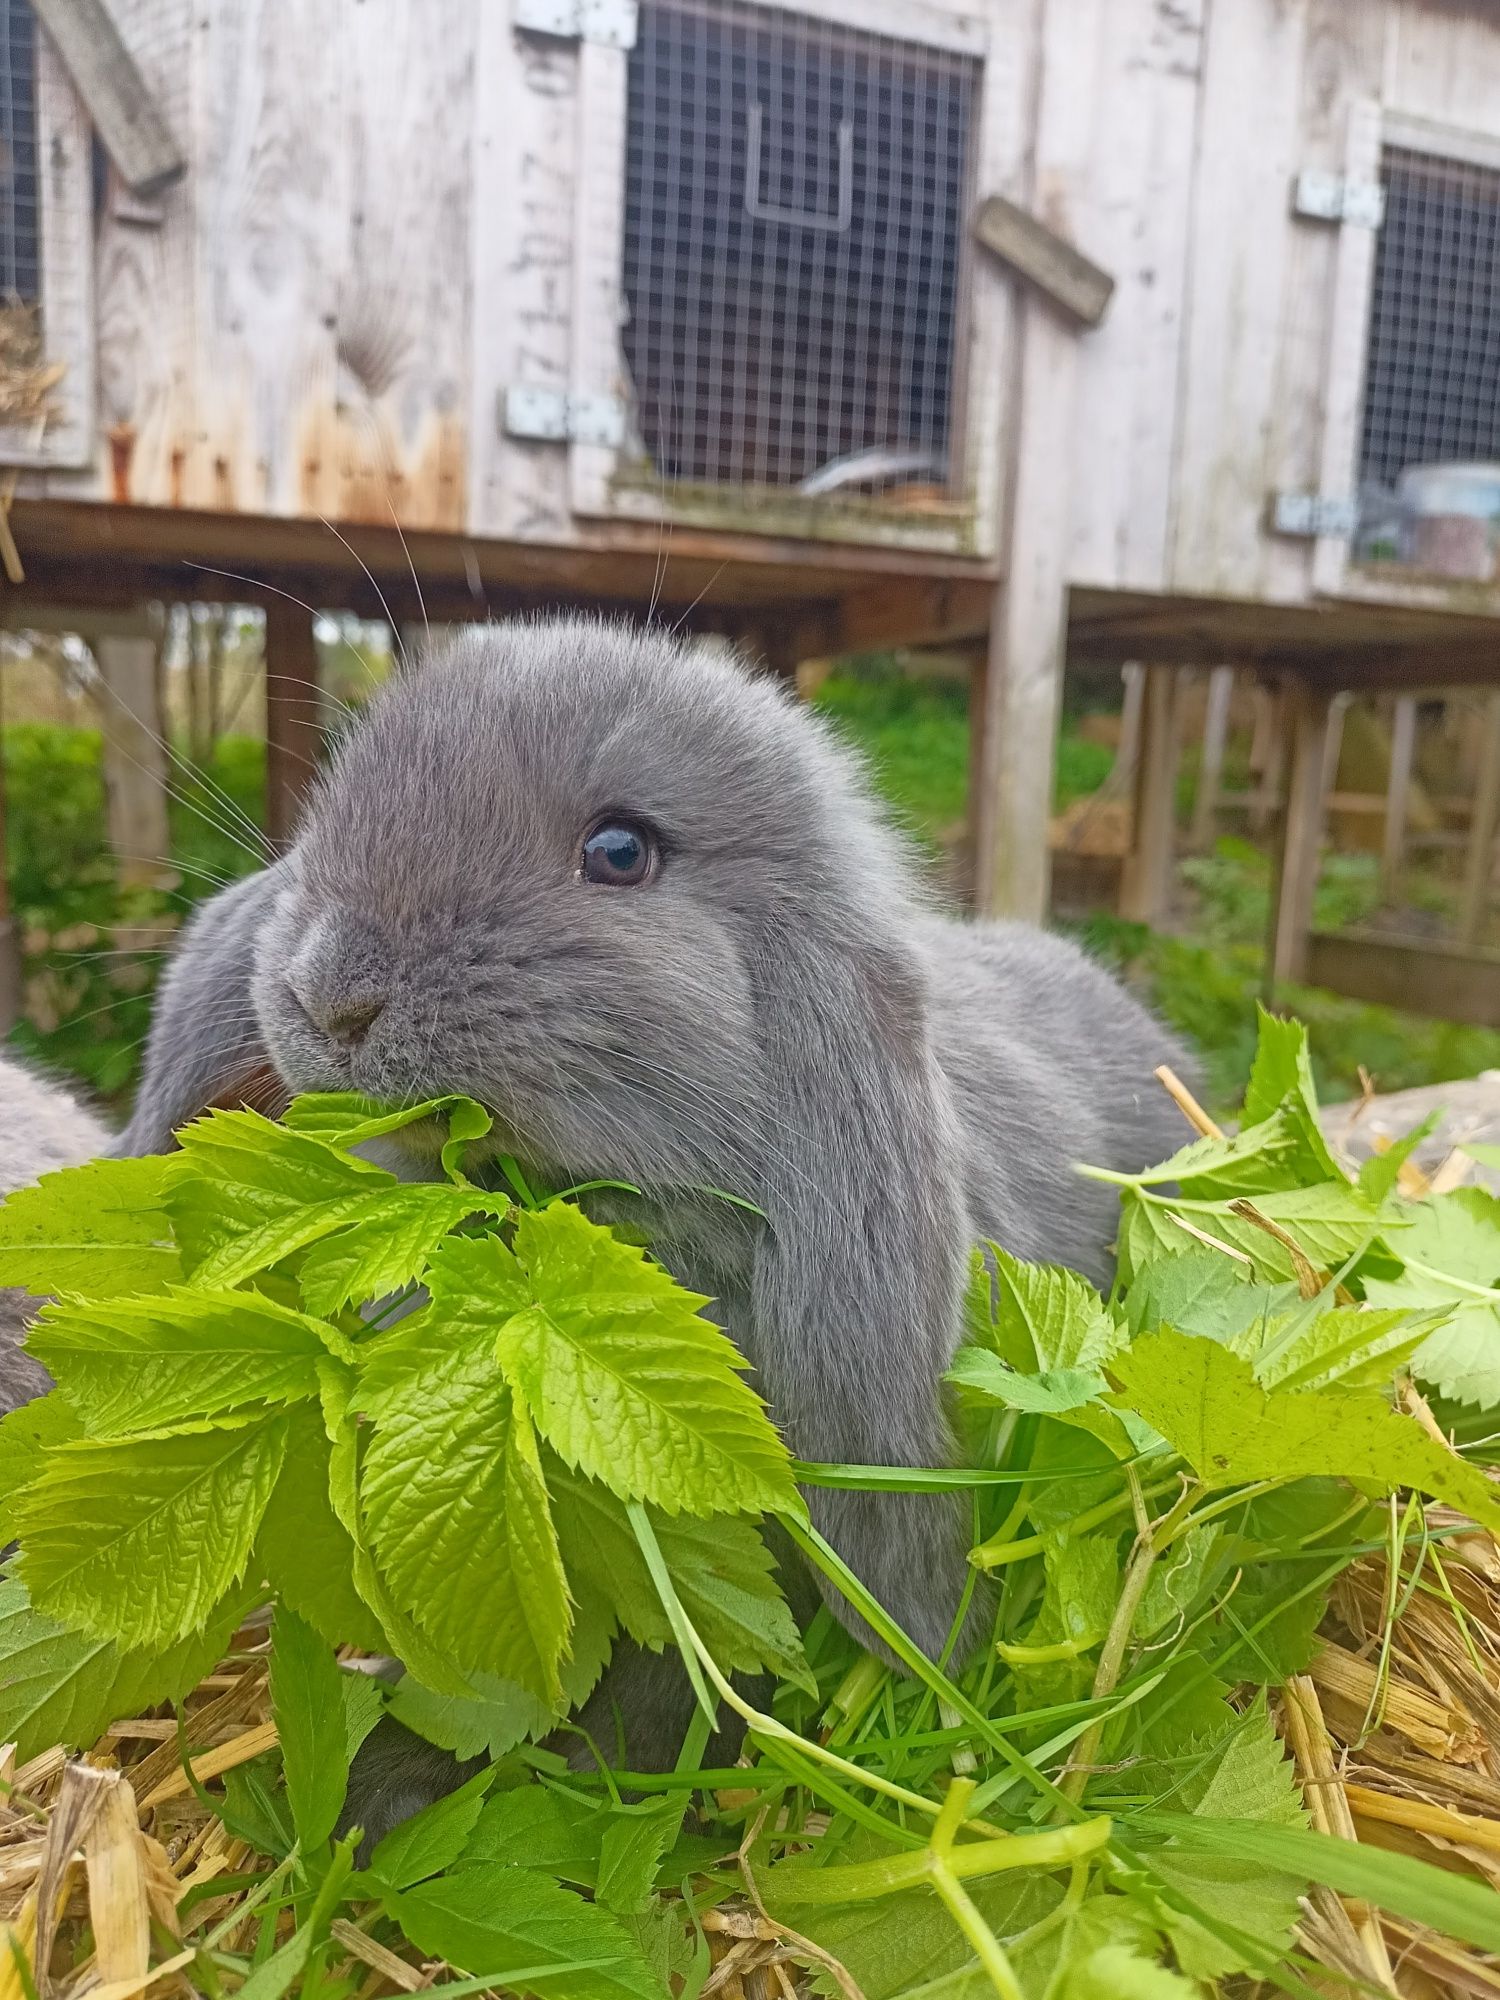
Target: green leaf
pixel 388 1246
pixel 1360 1347
pixel 537 1826
pixel 364 1704
pixel 1177 1581
pixel 99 1230
pixel 259 1192
pixel 1050 1393
pixel 1115 1972
pixel 466 1121
pixel 1450 1904
pixel 147 1364
pixel 428 1842
pixel 303 1548
pixel 1203 1291
pixel 1380 1172
pixel 1330 1221
pixel 630 1853
pixel 721 1569
pixel 26 1435
pixel 139 1541
pixel 342 1118
pixel 307 1701
pixel 491 1719
pixel 456 1507
pixel 519 1929
pixel 1261 1157
pixel 61 1686
pixel 1049 1318
pixel 1250 1776
pixel 1205 1401
pixel 627 1381
pixel 1450 1248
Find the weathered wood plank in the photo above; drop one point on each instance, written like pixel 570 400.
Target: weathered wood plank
pixel 293 732
pixel 1301 832
pixel 1419 977
pixel 1398 797
pixel 135 758
pixel 129 120
pixel 10 937
pixel 1211 761
pixel 1075 284
pixel 1482 829
pixel 1146 883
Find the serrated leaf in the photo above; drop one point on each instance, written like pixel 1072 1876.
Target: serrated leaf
pixel 627 1382
pixel 433 1838
pixel 1202 1291
pixel 343 1118
pixel 307 1703
pixel 1177 1580
pixel 1450 1248
pixel 26 1435
pixel 536 1826
pixel 494 1715
pixel 259 1191
pixel 721 1569
pixel 1083 1579
pixel 456 1508
pixel 1261 1157
pixel 387 1245
pixel 1360 1347
pixel 1329 1221
pixel 631 1848
pixel 1250 1776
pixel 146 1364
pixel 1206 1402
pixel 100 1230
pixel 1048 1318
pixel 1380 1172
pixel 1051 1393
pixel 175 1516
pixel 303 1548
pixel 519 1929
pixel 62 1686
pixel 1115 1972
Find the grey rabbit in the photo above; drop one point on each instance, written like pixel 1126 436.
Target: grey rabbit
pixel 42 1127
pixel 644 907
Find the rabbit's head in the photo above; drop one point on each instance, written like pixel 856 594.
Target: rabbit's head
pixel 563 869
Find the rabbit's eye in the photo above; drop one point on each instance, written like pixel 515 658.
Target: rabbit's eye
pixel 619 853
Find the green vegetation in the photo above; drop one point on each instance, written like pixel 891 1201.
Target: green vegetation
pixel 552 1449
pixel 91 950
pixel 1205 982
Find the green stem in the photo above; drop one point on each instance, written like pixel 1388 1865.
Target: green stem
pixel 865 1881
pixel 987 1947
pixel 995 1554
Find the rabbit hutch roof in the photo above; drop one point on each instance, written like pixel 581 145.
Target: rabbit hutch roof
pixel 685 304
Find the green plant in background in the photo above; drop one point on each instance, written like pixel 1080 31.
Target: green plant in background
pixel 463 1424
pixel 92 949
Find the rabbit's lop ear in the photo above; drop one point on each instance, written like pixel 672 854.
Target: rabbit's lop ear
pixel 859 1277
pixel 205 1047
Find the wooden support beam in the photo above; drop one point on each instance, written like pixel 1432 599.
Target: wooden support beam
pixel 1482 829
pixel 1308 721
pixel 1073 283
pixel 135 758
pixel 10 937
pixel 1146 884
pixel 293 720
pixel 1267 757
pixel 1211 760
pixel 105 75
pixel 1398 797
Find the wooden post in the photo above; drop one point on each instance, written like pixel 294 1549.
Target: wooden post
pixel 1267 757
pixel 1398 797
pixel 1146 884
pixel 1482 832
pixel 10 939
pixel 293 732
pixel 1307 725
pixel 135 757
pixel 1211 762
pixel 1133 676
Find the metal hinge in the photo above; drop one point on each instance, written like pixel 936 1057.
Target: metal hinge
pixel 554 416
pixel 1332 198
pixel 612 23
pixel 1309 515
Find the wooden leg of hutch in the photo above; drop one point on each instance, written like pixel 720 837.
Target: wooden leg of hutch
pixel 135 754
pixel 1482 833
pixel 293 731
pixel 1146 885
pixel 10 937
pixel 1398 797
pixel 1211 763
pixel 1308 713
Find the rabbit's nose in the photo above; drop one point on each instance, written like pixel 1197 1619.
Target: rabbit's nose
pixel 344 1021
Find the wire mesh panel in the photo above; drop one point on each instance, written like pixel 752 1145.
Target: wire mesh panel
pixel 795 196
pixel 20 207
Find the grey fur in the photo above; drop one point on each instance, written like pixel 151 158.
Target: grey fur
pixel 42 1127
pixel 779 1012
